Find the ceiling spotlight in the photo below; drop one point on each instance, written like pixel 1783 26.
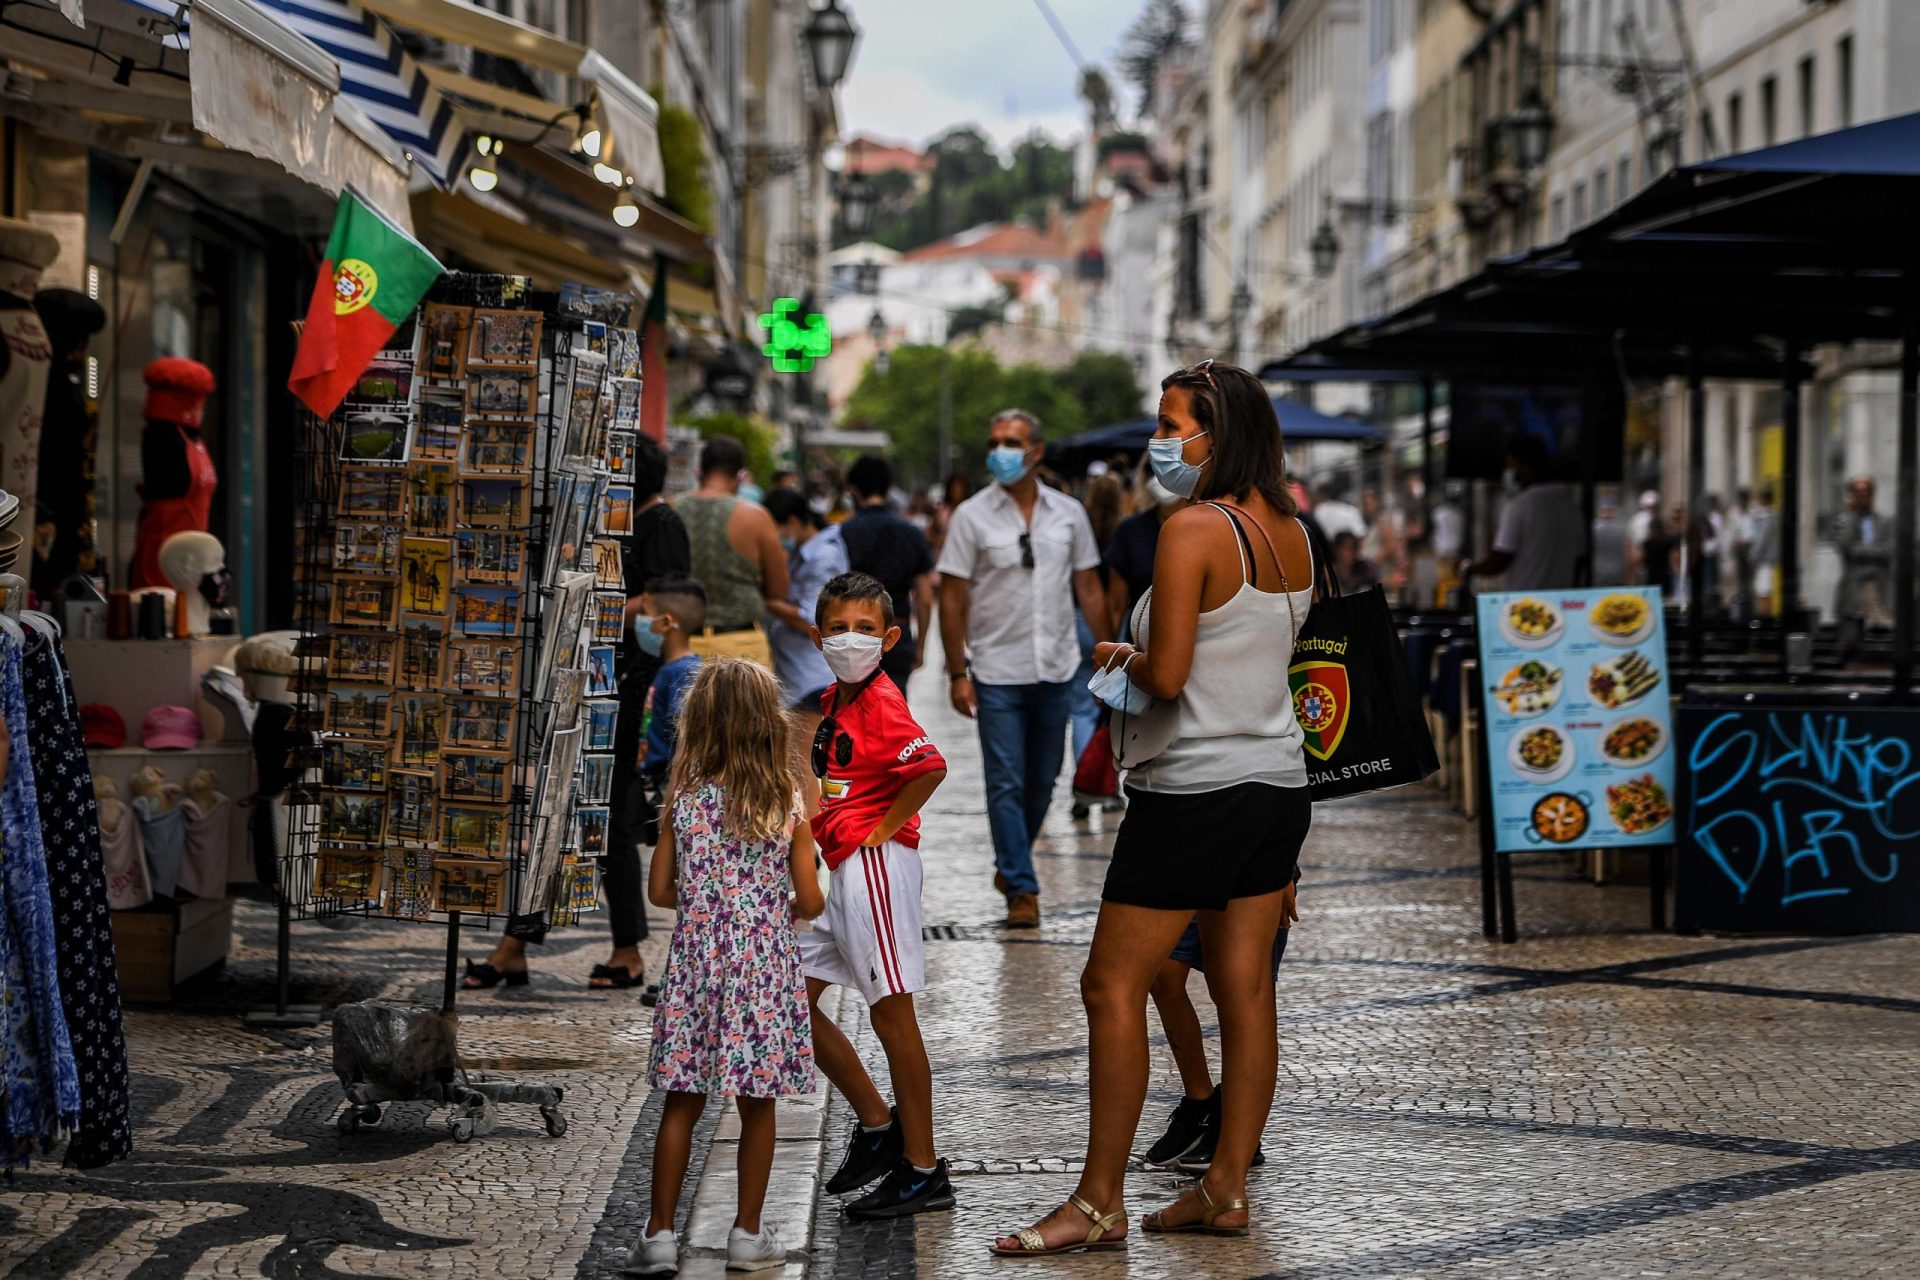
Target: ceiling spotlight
pixel 626 213
pixel 483 178
pixel 484 144
pixel 607 174
pixel 590 144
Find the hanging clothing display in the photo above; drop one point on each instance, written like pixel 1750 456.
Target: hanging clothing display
pixel 36 1054
pixel 83 925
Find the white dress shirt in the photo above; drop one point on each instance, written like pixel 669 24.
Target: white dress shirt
pixel 1020 627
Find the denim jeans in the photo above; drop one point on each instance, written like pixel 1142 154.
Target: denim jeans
pixel 1086 707
pixel 1023 737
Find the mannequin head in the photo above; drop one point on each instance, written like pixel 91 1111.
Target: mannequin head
pixel 177 391
pixel 185 559
pixel 266 663
pixel 25 252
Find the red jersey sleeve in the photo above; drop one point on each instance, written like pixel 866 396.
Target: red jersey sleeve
pixel 908 746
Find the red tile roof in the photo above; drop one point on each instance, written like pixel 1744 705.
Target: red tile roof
pixel 872 156
pixel 1004 240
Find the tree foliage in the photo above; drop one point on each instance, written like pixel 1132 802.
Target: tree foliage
pixel 1157 32
pixel 760 440
pixel 684 164
pixel 971 185
pixel 1104 384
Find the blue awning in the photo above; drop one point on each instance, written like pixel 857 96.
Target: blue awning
pixel 1298 424
pixel 1890 147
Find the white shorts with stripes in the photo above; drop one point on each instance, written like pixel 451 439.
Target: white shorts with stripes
pixel 869 936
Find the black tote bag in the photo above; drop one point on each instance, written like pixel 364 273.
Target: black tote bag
pixel 1353 696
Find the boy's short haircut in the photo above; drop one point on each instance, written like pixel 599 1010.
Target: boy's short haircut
pixel 684 598
pixel 854 586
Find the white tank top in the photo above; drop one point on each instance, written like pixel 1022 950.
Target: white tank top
pixel 1236 721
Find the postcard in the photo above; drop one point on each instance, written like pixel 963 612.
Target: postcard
pixel 489 555
pixel 480 722
pixel 353 817
pixel 419 722
pixel 358 710
pixel 363 602
pixel 619 454
pixel 371 493
pixel 497 444
pixel 501 393
pixel 616 510
pixel 409 884
pixel 603 717
pixel 352 765
pixel 590 829
pixel 575 500
pixel 443 340
pixel 414 805
pixel 486 609
pixel 475 775
pixel 609 566
pixel 426 574
pixel 596 779
pixel 498 501
pixel 472 828
pixel 610 617
pixel 602 681
pixel 366 546
pixel 480 665
pixel 364 658
pixel 430 496
pixel 585 420
pixel 469 885
pixel 348 875
pixel 503 338
pixel 443 412
pixel 423 651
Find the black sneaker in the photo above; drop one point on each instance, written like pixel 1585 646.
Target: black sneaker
pixel 869 1154
pixel 1199 1157
pixel 906 1191
pixel 1191 1120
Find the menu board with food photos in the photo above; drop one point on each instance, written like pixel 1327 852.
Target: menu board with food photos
pixel 1579 725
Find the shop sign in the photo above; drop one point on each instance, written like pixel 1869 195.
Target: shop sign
pixel 1579 728
pixel 729 383
pixel 794 341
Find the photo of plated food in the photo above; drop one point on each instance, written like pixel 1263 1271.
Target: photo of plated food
pixel 1530 688
pixel 1639 805
pixel 1622 618
pixel 1633 741
pixel 1531 623
pixel 1559 818
pixel 1543 753
pixel 1623 680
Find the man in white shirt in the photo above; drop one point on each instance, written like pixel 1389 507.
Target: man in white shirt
pixel 1335 514
pixel 1542 538
pixel 1017 556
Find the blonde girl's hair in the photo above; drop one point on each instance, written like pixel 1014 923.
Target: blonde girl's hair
pixel 734 734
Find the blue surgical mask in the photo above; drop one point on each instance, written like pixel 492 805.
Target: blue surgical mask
pixel 753 493
pixel 646 637
pixel 1007 464
pixel 788 543
pixel 1170 467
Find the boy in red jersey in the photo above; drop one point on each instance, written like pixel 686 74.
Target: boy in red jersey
pixel 877 767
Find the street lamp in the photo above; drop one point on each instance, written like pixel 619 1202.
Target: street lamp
pixel 857 198
pixel 830 36
pixel 877 330
pixel 1324 248
pixel 1531 127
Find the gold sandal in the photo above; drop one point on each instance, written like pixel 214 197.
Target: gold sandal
pixel 1209 1211
pixel 1034 1245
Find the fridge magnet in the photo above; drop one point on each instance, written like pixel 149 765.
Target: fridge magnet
pixel 357 710
pixel 504 338
pixel 413 805
pixel 475 775
pixel 486 723
pixel 371 493
pixel 616 510
pixel 601 681
pixel 489 555
pixel 426 574
pixel 502 393
pixel 496 501
pixel 609 567
pixel 409 884
pixel 363 602
pixel 423 650
pixel 364 547
pixel 596 779
pixel 497 444
pixel 443 340
pixel 353 817
pixel 602 719
pixel 471 828
pixel 364 658
pixel 348 875
pixel 430 498
pixel 590 829
pixel 352 765
pixel 480 665
pixel 419 722
pixel 486 609
pixel 442 413
pixel 469 885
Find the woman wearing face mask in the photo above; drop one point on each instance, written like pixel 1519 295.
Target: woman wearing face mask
pixel 815 556
pixel 1232 585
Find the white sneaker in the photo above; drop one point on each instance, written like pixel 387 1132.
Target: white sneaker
pixel 654 1256
pixel 749 1252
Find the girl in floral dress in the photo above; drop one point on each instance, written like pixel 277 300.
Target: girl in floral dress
pixel 736 860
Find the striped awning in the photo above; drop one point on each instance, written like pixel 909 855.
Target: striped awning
pixel 376 75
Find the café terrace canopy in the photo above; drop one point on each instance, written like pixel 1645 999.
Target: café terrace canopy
pixel 1298 423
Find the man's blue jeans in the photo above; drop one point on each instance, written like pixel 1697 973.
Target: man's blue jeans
pixel 1023 738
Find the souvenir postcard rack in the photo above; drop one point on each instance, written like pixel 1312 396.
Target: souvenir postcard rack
pixel 461 600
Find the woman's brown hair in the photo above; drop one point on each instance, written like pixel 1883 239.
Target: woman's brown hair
pixel 1235 410
pixel 734 734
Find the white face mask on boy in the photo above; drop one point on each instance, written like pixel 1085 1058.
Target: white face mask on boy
pixel 852 657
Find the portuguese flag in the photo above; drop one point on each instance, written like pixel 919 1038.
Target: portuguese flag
pixel 374 276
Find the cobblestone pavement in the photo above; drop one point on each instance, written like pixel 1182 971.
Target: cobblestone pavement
pixel 1592 1101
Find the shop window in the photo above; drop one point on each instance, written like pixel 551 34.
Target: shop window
pixel 1806 96
pixel 1843 80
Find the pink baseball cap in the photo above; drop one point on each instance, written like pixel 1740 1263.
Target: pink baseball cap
pixel 170 729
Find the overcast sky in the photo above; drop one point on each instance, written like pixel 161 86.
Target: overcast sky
pixel 922 67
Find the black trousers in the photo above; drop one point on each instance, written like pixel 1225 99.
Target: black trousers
pixel 622 874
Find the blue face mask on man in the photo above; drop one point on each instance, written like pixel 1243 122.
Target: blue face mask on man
pixel 1167 457
pixel 1007 464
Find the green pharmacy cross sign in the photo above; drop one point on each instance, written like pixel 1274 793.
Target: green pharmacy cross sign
pixel 794 345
